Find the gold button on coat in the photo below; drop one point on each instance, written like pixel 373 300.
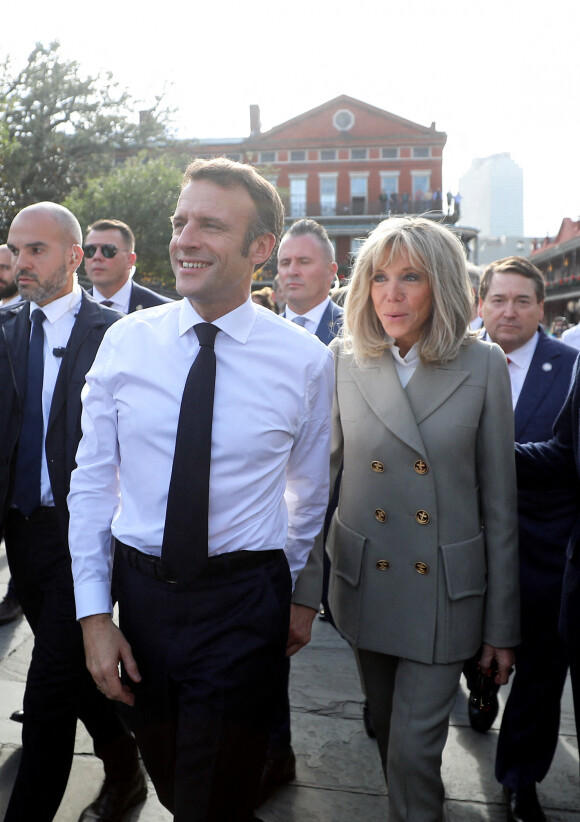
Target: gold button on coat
pixel 421 467
pixel 383 565
pixel 377 466
pixel 381 515
pixel 422 517
pixel 421 568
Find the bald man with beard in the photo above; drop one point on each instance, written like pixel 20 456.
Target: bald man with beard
pixel 47 344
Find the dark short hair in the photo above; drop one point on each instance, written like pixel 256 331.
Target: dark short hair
pixel 228 174
pixel 514 265
pixel 305 226
pixel 118 225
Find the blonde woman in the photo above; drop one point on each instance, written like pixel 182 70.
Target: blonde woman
pixel 423 543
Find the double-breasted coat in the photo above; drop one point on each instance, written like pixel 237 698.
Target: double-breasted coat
pixel 423 544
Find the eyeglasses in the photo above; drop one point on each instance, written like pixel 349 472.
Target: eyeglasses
pixel 107 250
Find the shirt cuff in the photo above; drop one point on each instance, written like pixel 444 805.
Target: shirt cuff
pixel 93 598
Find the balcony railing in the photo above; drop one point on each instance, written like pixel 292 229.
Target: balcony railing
pixel 361 206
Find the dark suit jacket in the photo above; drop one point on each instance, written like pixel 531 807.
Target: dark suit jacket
pixel 308 590
pixel 142 297
pixel 546 517
pixel 64 425
pixel 330 324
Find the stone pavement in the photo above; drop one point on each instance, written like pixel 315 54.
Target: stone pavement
pixel 338 774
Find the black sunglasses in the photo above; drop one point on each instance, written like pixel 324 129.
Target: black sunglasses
pixel 107 250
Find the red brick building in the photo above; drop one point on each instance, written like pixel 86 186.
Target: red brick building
pixel 558 258
pixel 347 164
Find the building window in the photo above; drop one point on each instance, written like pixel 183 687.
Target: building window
pixel 390 191
pixel 328 194
pixel 389 153
pixel 298 196
pixel 235 157
pixel 297 156
pixel 421 151
pixel 358 193
pixel 359 153
pixel 421 189
pixel 267 156
pixel 328 154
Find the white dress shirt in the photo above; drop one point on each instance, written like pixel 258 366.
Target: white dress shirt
pixel 407 365
pixel 312 317
pixel 60 317
pixel 270 439
pixel 120 300
pixel 9 301
pixel 518 364
pixel 572 336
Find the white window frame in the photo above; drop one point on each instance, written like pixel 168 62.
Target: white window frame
pixel 295 212
pixel 328 175
pixel 358 175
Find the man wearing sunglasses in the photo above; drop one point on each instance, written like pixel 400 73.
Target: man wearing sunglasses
pixel 109 264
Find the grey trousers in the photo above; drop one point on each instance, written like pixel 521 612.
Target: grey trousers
pixel 410 704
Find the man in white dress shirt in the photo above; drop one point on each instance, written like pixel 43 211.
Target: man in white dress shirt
pixel 10 608
pixel 306 270
pixel 206 653
pixel 512 306
pixel 9 294
pixel 47 345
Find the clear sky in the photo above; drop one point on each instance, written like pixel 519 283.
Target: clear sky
pixel 500 75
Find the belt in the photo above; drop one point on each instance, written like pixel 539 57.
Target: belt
pixel 219 565
pixel 44 513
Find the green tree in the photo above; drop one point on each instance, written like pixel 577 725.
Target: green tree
pixel 143 193
pixel 60 128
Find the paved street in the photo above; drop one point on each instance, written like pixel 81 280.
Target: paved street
pixel 339 777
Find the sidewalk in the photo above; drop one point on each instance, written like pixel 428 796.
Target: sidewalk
pixel 338 773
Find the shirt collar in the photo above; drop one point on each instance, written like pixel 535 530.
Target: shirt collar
pixel 120 297
pixel 236 324
pixel 56 309
pixel 523 355
pixel 314 315
pixel 11 301
pixel 411 358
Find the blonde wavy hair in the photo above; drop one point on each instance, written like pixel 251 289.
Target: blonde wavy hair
pixel 436 251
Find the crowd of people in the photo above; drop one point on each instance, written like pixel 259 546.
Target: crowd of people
pixel 224 467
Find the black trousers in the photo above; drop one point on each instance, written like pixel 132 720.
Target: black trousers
pixel 210 655
pixel 59 688
pixel 531 719
pixel 570 626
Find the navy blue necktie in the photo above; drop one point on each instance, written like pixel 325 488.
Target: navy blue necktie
pixel 184 550
pixel 28 459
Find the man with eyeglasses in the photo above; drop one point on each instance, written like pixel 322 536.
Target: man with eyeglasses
pixel 109 264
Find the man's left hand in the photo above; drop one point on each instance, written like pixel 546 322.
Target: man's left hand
pixel 505 659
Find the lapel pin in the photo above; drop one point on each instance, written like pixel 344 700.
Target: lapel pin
pixel 547 366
